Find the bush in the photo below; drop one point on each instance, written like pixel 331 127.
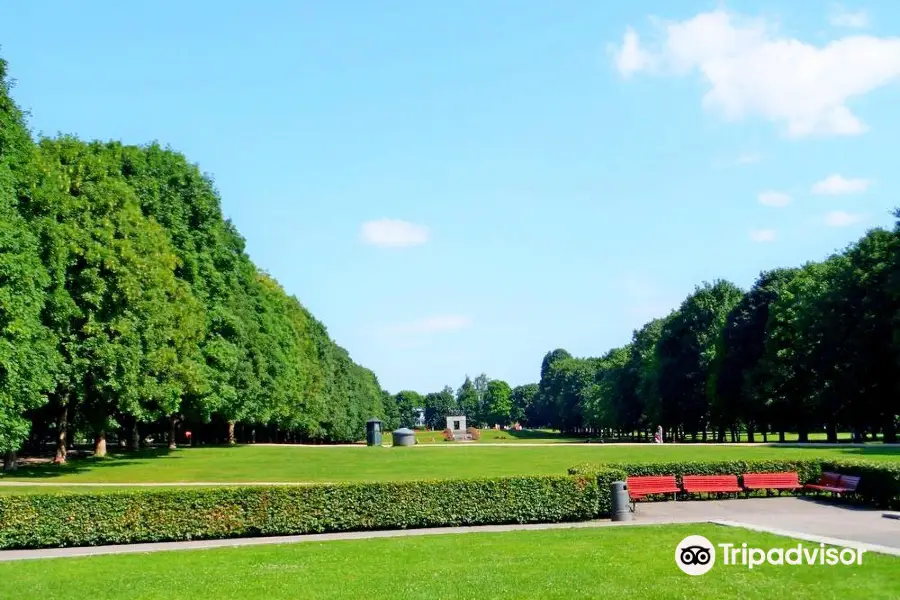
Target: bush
pixel 808 470
pixel 474 432
pixel 879 482
pixel 448 435
pixel 605 474
pixel 87 519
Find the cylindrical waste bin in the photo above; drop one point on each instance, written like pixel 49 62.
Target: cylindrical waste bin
pixel 404 437
pixel 620 509
pixel 373 432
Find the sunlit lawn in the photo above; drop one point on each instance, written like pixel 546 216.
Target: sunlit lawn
pixel 321 464
pixel 620 562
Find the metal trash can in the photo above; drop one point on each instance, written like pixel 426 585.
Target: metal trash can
pixel 404 437
pixel 373 432
pixel 620 503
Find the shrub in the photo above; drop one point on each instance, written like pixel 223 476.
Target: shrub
pixel 879 481
pixel 86 519
pixel 448 435
pixel 474 432
pixel 808 470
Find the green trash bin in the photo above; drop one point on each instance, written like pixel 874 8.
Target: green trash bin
pixel 373 432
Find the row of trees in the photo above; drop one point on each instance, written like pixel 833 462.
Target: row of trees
pixel 484 401
pixel 129 307
pixel 804 349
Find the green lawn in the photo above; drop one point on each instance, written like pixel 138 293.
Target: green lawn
pixel 621 562
pixel 489 436
pixel 319 464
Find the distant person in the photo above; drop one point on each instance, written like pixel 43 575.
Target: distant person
pixel 658 438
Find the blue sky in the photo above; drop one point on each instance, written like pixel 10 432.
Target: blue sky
pixel 562 170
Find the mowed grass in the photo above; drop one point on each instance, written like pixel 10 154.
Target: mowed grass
pixel 333 464
pixel 620 562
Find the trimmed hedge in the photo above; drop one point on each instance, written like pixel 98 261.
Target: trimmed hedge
pixel 88 519
pixel 807 470
pixel 879 482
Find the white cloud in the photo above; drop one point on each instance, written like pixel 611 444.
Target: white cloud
pixel 841 17
pixel 433 324
pixel 839 218
pixel 751 69
pixel 631 58
pixel 770 198
pixel 763 235
pixel 393 233
pixel 834 185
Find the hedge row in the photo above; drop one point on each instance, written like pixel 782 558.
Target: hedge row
pixel 879 483
pixel 87 519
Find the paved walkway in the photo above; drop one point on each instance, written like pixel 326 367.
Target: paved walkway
pixel 800 515
pixel 794 517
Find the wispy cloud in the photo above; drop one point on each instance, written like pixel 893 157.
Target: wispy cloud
pixel 777 199
pixel 835 185
pixel 763 235
pixel 393 233
pixel 840 218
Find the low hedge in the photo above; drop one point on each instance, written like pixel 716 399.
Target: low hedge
pixel 88 519
pixel 807 470
pixel 879 482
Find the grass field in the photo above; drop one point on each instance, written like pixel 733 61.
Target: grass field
pixel 323 464
pixel 625 562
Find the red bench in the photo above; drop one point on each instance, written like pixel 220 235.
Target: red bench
pixel 834 483
pixel 710 484
pixel 771 481
pixel 639 487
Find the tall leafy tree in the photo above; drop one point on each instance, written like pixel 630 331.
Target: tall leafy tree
pixel 26 356
pixel 498 402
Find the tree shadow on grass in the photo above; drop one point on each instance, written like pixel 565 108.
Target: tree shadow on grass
pixel 76 465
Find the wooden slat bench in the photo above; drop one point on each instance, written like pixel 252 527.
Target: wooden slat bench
pixel 710 484
pixel 771 481
pixel 639 487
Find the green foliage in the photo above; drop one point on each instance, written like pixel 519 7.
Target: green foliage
pixel 498 403
pixel 26 357
pixel 879 482
pixel 82 519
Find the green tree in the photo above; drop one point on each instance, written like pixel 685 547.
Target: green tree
pixel 523 398
pixel 498 402
pixel 26 356
pixel 686 352
pixel 438 406
pixel 407 402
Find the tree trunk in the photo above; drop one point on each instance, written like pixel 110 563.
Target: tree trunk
pixel 890 431
pixel 831 433
pixel 135 441
pixel 765 435
pixel 750 433
pixel 781 436
pixel 173 420
pixel 100 444
pixel 231 432
pixel 10 461
pixel 803 436
pixel 62 428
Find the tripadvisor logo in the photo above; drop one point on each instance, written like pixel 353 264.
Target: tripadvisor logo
pixel 696 555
